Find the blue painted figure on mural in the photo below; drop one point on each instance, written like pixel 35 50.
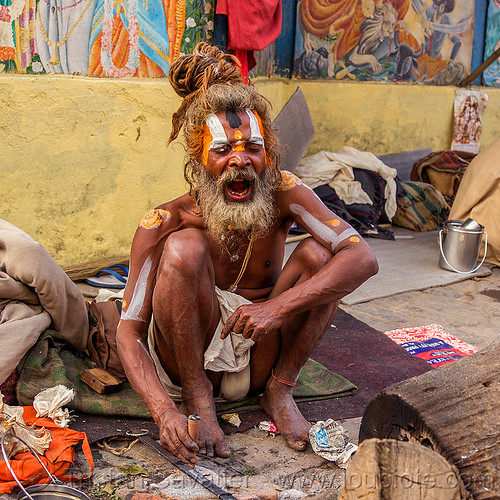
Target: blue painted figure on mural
pixel 437 13
pixel 312 64
pixel 438 26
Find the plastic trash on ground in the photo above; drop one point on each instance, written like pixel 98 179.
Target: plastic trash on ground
pixel 269 426
pixel 331 441
pixel 232 418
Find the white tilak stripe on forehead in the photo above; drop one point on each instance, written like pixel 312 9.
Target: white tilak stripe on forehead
pixel 134 308
pixel 217 130
pixel 324 232
pixel 254 128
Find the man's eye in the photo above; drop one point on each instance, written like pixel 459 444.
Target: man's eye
pixel 253 147
pixel 223 149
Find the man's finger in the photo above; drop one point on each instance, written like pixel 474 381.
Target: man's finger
pixel 256 334
pixel 230 324
pixel 174 447
pixel 182 447
pixel 186 440
pixel 248 330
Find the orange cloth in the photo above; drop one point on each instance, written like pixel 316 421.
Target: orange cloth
pixel 57 458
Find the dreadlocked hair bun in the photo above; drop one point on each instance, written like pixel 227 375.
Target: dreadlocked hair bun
pixel 192 74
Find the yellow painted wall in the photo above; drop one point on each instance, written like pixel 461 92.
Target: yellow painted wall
pixel 82 159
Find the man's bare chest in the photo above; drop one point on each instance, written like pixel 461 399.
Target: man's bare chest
pixel 253 267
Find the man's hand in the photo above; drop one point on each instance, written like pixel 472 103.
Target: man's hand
pixel 254 320
pixel 175 438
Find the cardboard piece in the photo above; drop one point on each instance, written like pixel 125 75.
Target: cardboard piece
pixel 295 129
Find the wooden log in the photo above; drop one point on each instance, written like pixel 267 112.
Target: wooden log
pixel 400 470
pixel 453 410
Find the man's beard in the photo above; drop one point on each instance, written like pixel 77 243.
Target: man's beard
pixel 228 221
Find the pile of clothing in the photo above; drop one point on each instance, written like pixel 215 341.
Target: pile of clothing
pixel 35 293
pixel 368 194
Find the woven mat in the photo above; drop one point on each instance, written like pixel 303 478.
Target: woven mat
pixel 51 361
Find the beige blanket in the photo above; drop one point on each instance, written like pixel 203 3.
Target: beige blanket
pixel 35 293
pixel 336 170
pixel 478 197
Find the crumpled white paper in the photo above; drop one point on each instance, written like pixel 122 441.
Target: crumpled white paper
pixel 331 441
pixel 49 402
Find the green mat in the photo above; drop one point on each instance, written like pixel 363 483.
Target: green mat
pixel 52 361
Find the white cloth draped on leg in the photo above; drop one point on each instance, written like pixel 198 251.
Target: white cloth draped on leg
pixel 230 355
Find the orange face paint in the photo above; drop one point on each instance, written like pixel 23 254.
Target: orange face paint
pixel 261 129
pixel 215 135
pixel 207 140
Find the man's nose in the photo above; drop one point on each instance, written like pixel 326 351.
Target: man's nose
pixel 239 159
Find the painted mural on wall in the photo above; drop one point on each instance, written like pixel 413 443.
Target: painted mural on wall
pixel 392 40
pixel 491 76
pixel 103 38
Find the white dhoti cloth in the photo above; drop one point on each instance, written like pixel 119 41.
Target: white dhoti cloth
pixel 230 355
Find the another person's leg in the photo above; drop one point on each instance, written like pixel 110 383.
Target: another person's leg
pixel 287 351
pixel 186 314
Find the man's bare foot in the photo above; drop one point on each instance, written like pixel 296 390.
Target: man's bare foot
pixel 211 439
pixel 278 403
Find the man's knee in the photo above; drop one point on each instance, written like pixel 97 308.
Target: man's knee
pixel 186 250
pixel 312 255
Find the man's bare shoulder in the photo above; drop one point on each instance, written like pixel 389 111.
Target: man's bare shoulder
pixel 292 189
pixel 170 216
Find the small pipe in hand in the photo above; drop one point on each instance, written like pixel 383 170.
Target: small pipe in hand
pixel 194 426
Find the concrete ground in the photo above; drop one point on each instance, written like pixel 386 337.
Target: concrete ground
pixel 261 465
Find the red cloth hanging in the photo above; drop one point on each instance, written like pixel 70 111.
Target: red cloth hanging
pixel 252 26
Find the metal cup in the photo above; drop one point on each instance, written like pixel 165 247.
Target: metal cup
pixel 471 225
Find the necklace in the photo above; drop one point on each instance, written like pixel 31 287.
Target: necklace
pixel 133 42
pixel 54 58
pixel 53 8
pixel 234 286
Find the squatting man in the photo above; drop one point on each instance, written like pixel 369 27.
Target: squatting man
pixel 209 312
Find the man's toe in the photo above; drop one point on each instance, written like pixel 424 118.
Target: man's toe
pixel 296 444
pixel 223 450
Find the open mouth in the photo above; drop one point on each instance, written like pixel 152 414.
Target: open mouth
pixel 238 188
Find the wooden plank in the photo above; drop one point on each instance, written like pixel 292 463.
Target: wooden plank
pixel 100 380
pixel 453 410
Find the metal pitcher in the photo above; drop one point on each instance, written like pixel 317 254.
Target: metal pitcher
pixel 459 244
